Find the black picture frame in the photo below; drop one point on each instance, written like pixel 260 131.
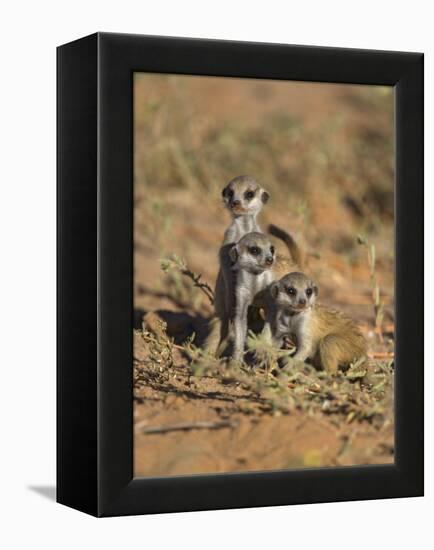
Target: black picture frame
pixel 95 274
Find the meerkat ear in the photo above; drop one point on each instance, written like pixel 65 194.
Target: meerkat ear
pixel 274 290
pixel 233 254
pixel 315 290
pixel 264 197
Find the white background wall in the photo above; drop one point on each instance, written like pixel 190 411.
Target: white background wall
pixel 30 31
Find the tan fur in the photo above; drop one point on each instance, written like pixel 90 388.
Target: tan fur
pixel 336 339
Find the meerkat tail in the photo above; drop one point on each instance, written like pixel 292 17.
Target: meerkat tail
pixel 294 249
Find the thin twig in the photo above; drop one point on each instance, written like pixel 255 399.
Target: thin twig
pixel 174 262
pixel 185 426
pixel 204 287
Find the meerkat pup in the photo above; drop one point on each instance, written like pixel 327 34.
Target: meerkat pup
pixel 251 261
pixel 325 336
pixel 244 198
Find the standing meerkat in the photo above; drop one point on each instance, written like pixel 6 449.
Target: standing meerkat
pixel 251 261
pixel 327 337
pixel 244 198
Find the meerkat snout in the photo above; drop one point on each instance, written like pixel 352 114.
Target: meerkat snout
pixel 253 253
pixel 243 195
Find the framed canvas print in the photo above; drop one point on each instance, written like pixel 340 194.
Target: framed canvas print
pixel 240 274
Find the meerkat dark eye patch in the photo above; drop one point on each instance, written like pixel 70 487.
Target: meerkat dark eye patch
pixel 272 249
pixel 254 250
pixel 291 291
pixel 309 292
pixel 248 195
pixel 227 193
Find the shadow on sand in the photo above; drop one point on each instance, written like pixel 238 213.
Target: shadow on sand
pixel 180 324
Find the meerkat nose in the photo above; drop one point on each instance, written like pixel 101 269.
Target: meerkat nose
pixel 269 260
pixel 302 301
pixel 236 202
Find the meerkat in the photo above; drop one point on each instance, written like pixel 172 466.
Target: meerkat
pixel 251 261
pixel 325 336
pixel 244 198
pixel 223 331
